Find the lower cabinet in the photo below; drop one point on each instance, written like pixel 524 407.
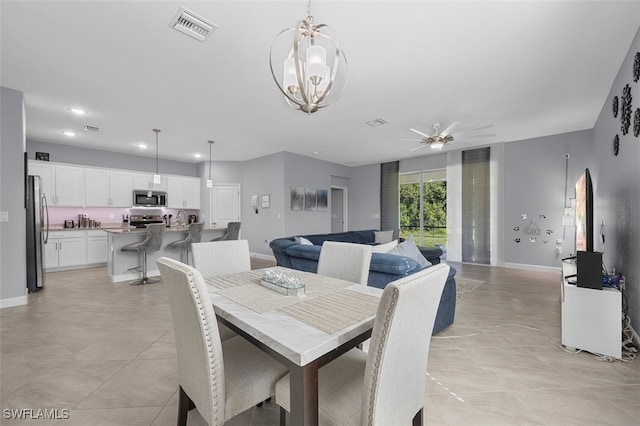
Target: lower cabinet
pixel 73 249
pixel 65 249
pixel 96 247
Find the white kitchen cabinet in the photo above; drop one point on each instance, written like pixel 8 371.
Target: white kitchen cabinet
pixel 183 192
pixel 96 247
pixel 62 184
pixel 64 249
pixel 108 188
pixel 145 181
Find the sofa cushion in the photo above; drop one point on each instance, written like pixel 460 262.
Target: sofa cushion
pixel 385 248
pixel 409 249
pixel 395 265
pixel 304 251
pixel 383 236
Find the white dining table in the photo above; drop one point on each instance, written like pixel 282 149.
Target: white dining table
pixel 302 332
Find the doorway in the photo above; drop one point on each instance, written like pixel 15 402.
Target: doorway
pixel 225 204
pixel 338 209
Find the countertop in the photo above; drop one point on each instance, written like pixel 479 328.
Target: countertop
pixel 117 228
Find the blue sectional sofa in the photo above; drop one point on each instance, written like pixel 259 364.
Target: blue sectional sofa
pixel 384 267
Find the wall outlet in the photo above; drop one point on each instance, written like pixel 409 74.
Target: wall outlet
pixel 558 250
pixel 112 216
pixel 559 241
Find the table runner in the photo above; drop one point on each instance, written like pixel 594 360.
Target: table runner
pixel 331 312
pixel 326 305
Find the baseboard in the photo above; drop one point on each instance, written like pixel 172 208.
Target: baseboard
pixel 13 301
pixel 264 256
pixel 536 268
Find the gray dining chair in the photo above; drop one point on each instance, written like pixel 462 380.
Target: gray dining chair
pixel 387 385
pixel 194 236
pixel 345 261
pixel 151 243
pixel 220 258
pixel 219 379
pixel 232 232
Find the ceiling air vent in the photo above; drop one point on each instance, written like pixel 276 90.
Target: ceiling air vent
pixel 376 122
pixel 90 128
pixel 192 25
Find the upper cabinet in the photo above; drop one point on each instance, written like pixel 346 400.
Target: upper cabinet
pixel 183 192
pixel 108 188
pixel 145 181
pixel 63 185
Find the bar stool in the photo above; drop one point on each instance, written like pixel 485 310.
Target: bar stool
pixel 233 232
pixel 150 244
pixel 194 236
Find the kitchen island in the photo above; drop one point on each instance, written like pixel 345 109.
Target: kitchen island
pixel 119 263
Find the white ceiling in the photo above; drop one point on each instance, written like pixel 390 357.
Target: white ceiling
pixel 529 68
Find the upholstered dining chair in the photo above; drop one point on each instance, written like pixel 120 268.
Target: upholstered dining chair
pixel 345 261
pixel 220 379
pixel 220 258
pixel 387 385
pixel 232 233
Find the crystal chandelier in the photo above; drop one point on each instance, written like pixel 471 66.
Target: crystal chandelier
pixel 314 72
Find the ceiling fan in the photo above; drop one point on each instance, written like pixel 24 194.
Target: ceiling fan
pixel 439 138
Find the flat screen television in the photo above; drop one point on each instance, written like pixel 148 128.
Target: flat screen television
pixel 584 213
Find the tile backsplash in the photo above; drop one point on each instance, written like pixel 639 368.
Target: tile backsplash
pixel 57 215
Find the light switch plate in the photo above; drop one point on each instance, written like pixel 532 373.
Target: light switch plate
pixel 4 216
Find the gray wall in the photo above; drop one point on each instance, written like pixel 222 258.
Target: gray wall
pixel 93 157
pixel 364 197
pixel 13 276
pixel 309 173
pixel 263 176
pixel 534 184
pixel 425 162
pixel 616 183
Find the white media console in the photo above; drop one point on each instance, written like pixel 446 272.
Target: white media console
pixel 591 319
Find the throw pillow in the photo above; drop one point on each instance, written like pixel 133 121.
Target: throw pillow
pixel 385 248
pixel 303 241
pixel 383 236
pixel 409 249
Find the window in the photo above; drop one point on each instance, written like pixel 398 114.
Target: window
pixel 423 207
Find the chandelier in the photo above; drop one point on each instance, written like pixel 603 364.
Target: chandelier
pixel 314 72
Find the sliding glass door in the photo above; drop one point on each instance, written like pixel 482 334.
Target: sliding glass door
pixel 423 207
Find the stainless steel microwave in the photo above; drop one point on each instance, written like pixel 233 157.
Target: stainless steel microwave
pixel 149 198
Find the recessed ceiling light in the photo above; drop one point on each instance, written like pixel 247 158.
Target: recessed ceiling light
pixel 197 155
pixel 142 145
pixel 69 133
pixel 78 111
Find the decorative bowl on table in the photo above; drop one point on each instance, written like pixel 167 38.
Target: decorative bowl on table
pixel 283 283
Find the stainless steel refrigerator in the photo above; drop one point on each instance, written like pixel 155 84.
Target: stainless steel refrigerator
pixel 37 232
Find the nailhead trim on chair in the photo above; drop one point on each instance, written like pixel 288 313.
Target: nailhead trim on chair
pixel 205 324
pixel 376 368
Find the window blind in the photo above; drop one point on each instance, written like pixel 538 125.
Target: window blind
pixel 476 230
pixel 389 196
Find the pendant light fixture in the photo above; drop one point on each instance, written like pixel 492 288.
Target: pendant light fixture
pixel 209 181
pixel 313 74
pixel 157 179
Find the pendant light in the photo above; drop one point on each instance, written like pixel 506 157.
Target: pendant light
pixel 209 181
pixel 307 65
pixel 157 179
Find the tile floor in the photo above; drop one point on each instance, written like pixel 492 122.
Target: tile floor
pixel 105 352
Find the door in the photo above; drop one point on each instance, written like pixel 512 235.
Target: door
pixel 338 209
pixel 225 204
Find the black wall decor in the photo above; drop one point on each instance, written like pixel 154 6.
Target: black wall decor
pixel 616 145
pixel 615 106
pixel 636 67
pixel 636 123
pixel 625 114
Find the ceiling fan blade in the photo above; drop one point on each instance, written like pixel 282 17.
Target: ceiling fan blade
pixel 488 126
pixel 417 147
pixel 449 129
pixel 475 136
pixel 420 133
